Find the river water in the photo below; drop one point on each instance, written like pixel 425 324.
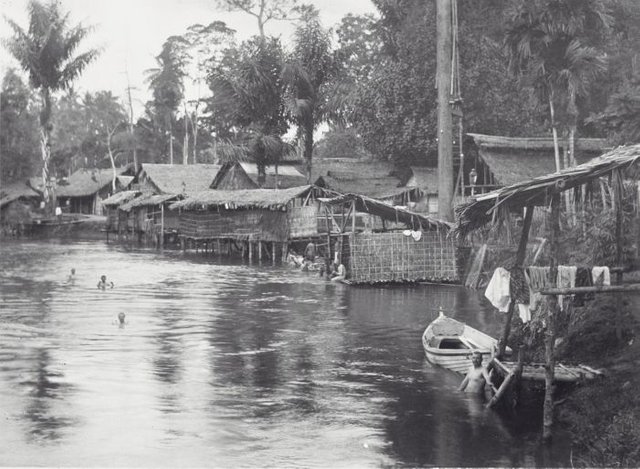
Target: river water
pixel 231 365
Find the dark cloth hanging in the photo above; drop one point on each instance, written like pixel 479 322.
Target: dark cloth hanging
pixel 584 278
pixel 518 286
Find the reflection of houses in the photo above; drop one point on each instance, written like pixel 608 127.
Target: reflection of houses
pixel 396 245
pixel 374 179
pixel 84 190
pixel 502 161
pixel 143 211
pixel 17 201
pixel 263 218
pixel 244 175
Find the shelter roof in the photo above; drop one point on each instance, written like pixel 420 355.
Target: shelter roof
pixel 515 159
pixel 389 212
pixel 147 200
pixel 241 198
pixel 119 198
pixel 15 191
pixel 85 182
pixel 537 191
pixel 179 179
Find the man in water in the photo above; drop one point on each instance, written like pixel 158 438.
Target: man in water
pixel 102 284
pixel 477 376
pixel 72 276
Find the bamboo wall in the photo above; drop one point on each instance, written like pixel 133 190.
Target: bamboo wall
pixel 303 221
pixel 265 225
pixel 394 257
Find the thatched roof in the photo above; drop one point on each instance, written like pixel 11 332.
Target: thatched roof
pixel 288 176
pixel 179 179
pixel 375 179
pixel 15 191
pixel 86 182
pixel 389 212
pixel 426 179
pixel 241 199
pixel 147 200
pixel 515 159
pixel 120 198
pixel 538 191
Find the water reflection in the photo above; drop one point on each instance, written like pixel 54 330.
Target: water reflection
pixel 227 364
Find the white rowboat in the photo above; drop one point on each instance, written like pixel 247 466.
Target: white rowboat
pixel 450 343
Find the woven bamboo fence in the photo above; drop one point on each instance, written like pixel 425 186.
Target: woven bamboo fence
pixel 303 221
pixel 394 257
pixel 264 225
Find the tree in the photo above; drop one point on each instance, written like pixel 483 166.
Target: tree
pixel 306 73
pixel 550 43
pixel 621 118
pixel 167 84
pixel 262 10
pixel 46 52
pixel 19 146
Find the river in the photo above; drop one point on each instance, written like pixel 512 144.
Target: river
pixel 229 365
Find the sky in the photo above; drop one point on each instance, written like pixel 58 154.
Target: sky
pixel 130 34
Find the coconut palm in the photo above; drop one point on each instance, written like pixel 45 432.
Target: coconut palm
pixel 548 43
pixel 46 52
pixel 307 72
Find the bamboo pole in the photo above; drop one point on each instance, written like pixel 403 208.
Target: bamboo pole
pixel 161 226
pixel 552 310
pixel 250 252
pixel 630 287
pixel 273 253
pixel 260 252
pixel 520 257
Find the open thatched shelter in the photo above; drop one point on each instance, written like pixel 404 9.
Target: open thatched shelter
pixel 378 242
pixel 538 191
pixel 501 161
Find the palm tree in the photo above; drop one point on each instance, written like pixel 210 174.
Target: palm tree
pixel 309 69
pixel 46 52
pixel 548 45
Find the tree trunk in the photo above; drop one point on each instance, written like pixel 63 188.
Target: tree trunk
pixel 445 122
pixel 170 141
pixel 185 144
pixel 277 179
pixel 113 161
pixel 45 149
pixel 308 149
pixel 194 128
pixel 554 131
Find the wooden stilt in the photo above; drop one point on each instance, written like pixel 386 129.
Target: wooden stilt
pixel 552 312
pixel 250 252
pixel 519 262
pixel 260 252
pixel 273 253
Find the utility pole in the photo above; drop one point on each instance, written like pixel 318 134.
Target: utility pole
pixel 445 121
pixel 131 133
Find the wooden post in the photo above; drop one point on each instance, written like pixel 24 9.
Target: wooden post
pixel 327 260
pixel 273 253
pixel 519 262
pixel 353 217
pixel 619 218
pixel 445 119
pixel 260 252
pixel 552 311
pixel 161 226
pixel 218 247
pixel 244 246
pixel 250 252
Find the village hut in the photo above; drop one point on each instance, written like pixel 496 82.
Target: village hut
pixel 262 218
pixel 84 190
pixel 378 242
pixel 425 179
pixel 492 161
pixel 374 179
pixel 117 219
pixel 157 186
pixel 18 201
pixel 245 175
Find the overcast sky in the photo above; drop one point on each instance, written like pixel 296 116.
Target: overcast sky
pixel 131 32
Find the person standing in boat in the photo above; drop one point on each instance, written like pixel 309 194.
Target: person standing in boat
pixel 477 376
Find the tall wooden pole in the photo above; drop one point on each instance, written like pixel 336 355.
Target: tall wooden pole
pixel 445 121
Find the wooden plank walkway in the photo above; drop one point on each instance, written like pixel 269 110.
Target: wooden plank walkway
pixel 536 371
